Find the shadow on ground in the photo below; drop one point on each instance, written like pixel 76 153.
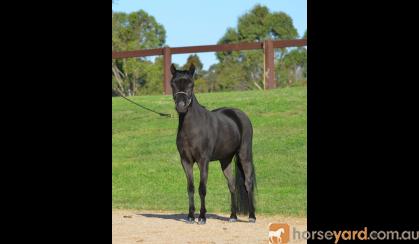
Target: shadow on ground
pixel 183 217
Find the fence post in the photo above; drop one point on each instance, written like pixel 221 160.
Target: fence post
pixel 167 75
pixel 269 65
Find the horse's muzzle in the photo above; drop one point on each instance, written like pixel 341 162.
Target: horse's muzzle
pixel 181 107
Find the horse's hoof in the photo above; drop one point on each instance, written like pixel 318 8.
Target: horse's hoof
pixel 232 220
pixel 252 220
pixel 201 221
pixel 190 220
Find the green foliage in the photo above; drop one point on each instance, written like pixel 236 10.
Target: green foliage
pixel 254 25
pixel 238 70
pixel 227 75
pixel 194 59
pixel 293 69
pixel 134 31
pixel 201 85
pixel 152 82
pixel 281 26
pixel 244 70
pixel 231 36
pixel 146 169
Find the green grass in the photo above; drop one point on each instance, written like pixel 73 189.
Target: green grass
pixel 146 169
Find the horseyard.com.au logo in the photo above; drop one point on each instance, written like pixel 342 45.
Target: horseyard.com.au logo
pixel 278 233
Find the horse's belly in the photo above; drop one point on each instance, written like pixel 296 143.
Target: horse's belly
pixel 225 148
pixel 211 144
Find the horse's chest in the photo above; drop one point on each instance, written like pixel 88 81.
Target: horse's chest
pixel 193 144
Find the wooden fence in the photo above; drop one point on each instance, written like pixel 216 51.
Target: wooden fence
pixel 268 47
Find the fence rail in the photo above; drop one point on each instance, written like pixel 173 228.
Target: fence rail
pixel 268 46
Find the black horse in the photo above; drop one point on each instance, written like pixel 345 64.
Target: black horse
pixel 205 136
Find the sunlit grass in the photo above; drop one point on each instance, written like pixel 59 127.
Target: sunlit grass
pixel 146 170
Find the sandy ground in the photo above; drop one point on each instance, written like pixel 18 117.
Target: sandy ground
pixel 130 226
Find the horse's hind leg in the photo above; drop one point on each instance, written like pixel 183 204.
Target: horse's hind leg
pixel 227 168
pixel 188 167
pixel 247 164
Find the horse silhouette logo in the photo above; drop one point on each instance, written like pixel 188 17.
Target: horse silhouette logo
pixel 278 233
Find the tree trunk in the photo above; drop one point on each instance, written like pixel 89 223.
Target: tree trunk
pixel 119 80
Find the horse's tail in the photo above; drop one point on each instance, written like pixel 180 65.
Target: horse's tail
pixel 242 200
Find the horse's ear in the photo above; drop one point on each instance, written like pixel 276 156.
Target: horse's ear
pixel 192 69
pixel 173 69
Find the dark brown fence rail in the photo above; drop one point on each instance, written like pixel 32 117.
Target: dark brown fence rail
pixel 268 46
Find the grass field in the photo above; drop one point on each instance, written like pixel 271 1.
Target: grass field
pixel 146 169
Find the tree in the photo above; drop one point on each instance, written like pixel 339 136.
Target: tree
pixel 256 25
pixel 136 30
pixel 194 59
pixel 201 83
pixel 151 80
pixel 231 36
pixel 294 68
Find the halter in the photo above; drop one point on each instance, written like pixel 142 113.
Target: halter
pixel 186 94
pixel 181 92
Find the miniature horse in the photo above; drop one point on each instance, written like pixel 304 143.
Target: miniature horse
pixel 205 136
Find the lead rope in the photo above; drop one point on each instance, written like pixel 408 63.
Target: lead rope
pixel 151 110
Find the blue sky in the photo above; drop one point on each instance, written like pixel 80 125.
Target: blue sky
pixel 191 23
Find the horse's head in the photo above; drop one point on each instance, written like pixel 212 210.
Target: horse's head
pixel 182 87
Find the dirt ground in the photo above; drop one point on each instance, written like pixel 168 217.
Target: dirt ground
pixel 130 226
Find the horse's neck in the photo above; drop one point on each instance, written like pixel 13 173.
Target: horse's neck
pixel 193 116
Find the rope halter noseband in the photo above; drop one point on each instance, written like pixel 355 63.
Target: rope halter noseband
pixel 186 94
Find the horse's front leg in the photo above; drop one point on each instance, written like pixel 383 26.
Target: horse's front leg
pixel 203 168
pixel 188 167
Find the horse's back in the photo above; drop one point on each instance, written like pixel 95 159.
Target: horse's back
pixel 239 117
